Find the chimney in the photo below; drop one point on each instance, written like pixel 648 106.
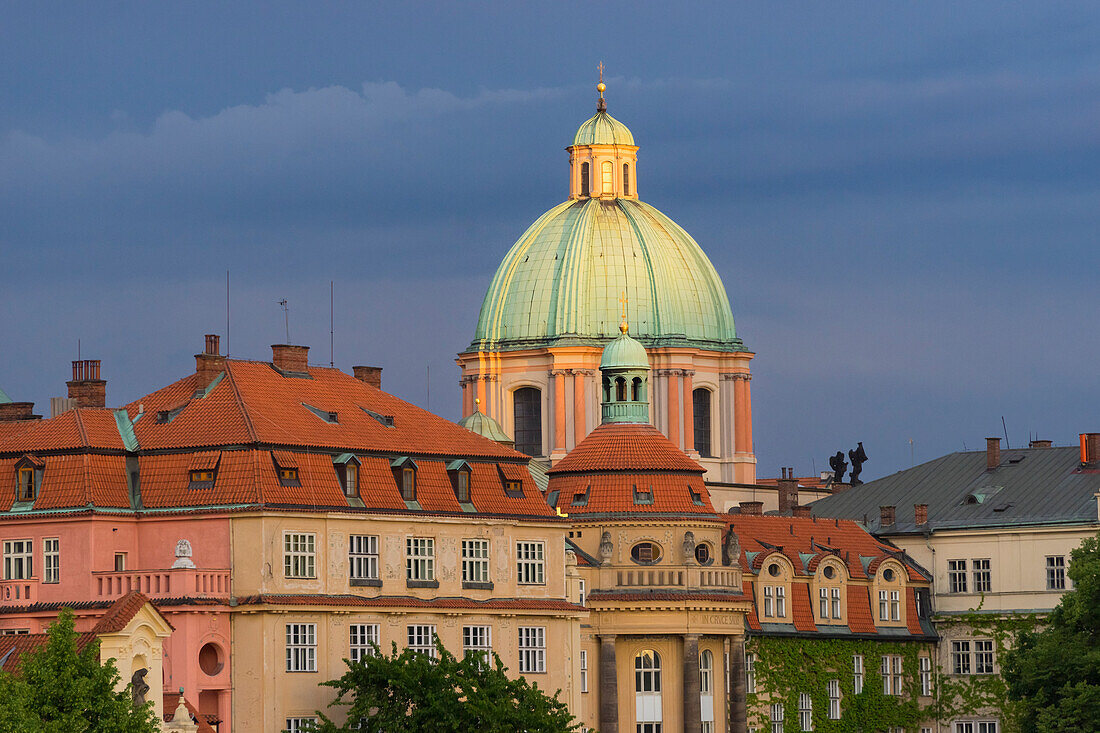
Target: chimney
pixel 290 358
pixel 86 387
pixel 1040 444
pixel 920 513
pixel 788 491
pixel 800 511
pixel 1090 447
pixel 368 375
pixel 886 515
pixel 17 411
pixel 210 363
pixel 752 508
pixel 992 453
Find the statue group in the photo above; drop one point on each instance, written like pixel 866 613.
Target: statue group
pixel 857 456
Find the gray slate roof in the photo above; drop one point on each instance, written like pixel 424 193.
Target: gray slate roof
pixel 1030 486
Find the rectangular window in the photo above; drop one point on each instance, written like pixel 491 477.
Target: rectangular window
pixel 805 712
pixel 987 726
pixel 891 675
pixel 648 728
pixel 750 673
pixel 983 576
pixel 833 690
pixel 420 558
pixel 14 632
pixel 883 606
pixel 364 637
pixel 408 484
pixel 583 588
pixel 834 594
pixel 960 657
pixel 857 674
pixel 462 486
pixel 26 485
pixel 51 560
pixel 897 674
pixel 1056 572
pixel 964 726
pixel 299 556
pixel 925 676
pixel 584 671
pixel 120 562
pixel 983 657
pixel 895 605
pixel 422 639
pixel 478 640
pixel 769 601
pixel 18 557
pixel 823 603
pixel 777 717
pixel 531 563
pixel 707 726
pixel 363 556
pixel 351 479
pixel 780 601
pixel 475 561
pixel 532 649
pixel 956 576
pixel 296 725
pixel 301 647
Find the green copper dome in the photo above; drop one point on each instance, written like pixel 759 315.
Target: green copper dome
pixel 603 129
pixel 485 426
pixel 560 284
pixel 624 353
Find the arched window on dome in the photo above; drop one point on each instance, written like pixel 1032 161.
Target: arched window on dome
pixel 620 390
pixel 527 413
pixel 626 179
pixel 608 177
pixel 585 188
pixel 701 412
pixel 639 393
pixel 606 389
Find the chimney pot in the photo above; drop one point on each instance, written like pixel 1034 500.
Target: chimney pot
pixel 752 508
pixel 213 344
pixel 788 492
pixel 920 513
pixel 1040 444
pixel 992 453
pixel 368 375
pixel 290 358
pixel 1090 447
pixel 86 387
pixel 886 515
pixel 210 363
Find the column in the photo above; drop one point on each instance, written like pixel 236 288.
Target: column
pixel 738 712
pixel 579 419
pixel 673 405
pixel 692 707
pixel 739 413
pixel 746 411
pixel 609 686
pixel 689 412
pixel 481 391
pixel 559 410
pixel 467 400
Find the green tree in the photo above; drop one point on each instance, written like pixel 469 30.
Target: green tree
pixel 61 690
pixel 408 691
pixel 1055 673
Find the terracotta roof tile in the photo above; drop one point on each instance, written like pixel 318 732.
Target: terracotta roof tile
pixel 802 607
pixel 912 620
pixel 751 618
pixel 120 613
pixel 860 620
pixel 626 447
pixel 78 428
pixel 82 479
pixel 204 460
pixel 14 646
pixel 615 492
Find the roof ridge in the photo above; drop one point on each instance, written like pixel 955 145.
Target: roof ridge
pixel 241 404
pixel 80 427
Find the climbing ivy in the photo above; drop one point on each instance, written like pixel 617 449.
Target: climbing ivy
pixel 786 668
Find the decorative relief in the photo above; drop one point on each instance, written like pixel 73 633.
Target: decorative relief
pixel 607 548
pixel 688 547
pixel 183 555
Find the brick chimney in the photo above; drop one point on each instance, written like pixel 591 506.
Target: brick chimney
pixel 368 375
pixel 210 363
pixel 992 453
pixel 86 387
pixel 752 508
pixel 788 491
pixel 290 358
pixel 17 411
pixel 1040 444
pixel 920 513
pixel 1090 448
pixel 886 515
pixel 800 511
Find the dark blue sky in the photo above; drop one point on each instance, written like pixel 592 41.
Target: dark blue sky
pixel 903 199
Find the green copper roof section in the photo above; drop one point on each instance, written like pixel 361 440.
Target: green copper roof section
pixel 561 281
pixel 603 129
pixel 485 426
pixel 126 430
pixel 624 353
pixel 4 399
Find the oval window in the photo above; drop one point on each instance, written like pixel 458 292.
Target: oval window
pixel 888 575
pixel 210 659
pixel 645 552
pixel 773 570
pixel 702 553
pixel 829 572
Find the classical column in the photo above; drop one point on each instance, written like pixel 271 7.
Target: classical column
pixel 689 412
pixel 559 410
pixel 738 712
pixel 467 402
pixel 609 686
pixel 747 412
pixel 673 405
pixel 481 379
pixel 579 406
pixel 739 392
pixel 692 710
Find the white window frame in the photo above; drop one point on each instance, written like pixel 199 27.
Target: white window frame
pixel 769 601
pixel 51 560
pixel 956 576
pixel 983 575
pixel 301 647
pixel 475 560
pixel 421 639
pixel 823 603
pixel 983 656
pixel 420 558
pixel 363 557
pixel 360 640
pixel 295 724
pixel 1056 572
pixel 895 605
pixel 805 712
pixel 300 555
pixel 18 559
pixel 857 673
pixel 777 717
pixel 583 591
pixel 780 601
pixel 832 689
pixel 883 606
pixel 584 671
pixel 532 649
pixel 960 657
pixel 531 563
pixel 835 598
pixel 891 675
pixel 750 673
pixel 478 640
pixel 925 663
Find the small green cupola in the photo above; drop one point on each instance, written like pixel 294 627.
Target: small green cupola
pixel 624 367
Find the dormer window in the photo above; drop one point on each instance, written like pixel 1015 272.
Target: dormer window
pixel 203 470
pixel 580 498
pixel 286 466
pixel 330 417
pixel 289 477
pixel 404 472
pixel 643 494
pixel 513 489
pixel 696 497
pixel 28 479
pixel 25 491
pixel 459 471
pixel 202 479
pixel 347 471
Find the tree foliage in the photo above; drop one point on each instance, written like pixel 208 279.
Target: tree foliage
pixel 410 691
pixel 61 690
pixel 1055 673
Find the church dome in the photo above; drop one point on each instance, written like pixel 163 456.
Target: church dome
pixel 603 129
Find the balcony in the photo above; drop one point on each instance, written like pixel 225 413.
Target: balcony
pixel 19 591
pixel 174 583
pixel 677 577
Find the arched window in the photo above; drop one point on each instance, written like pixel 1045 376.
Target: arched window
pixel 701 411
pixel 608 177
pixel 606 389
pixel 584 179
pixel 647 691
pixel 527 410
pixel 706 691
pixel 637 385
pixel 620 390
pixel 626 179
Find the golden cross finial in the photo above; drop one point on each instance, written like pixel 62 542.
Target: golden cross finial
pixel 601 106
pixel 624 300
pixel 600 68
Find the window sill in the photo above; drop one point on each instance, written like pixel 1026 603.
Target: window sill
pixel 421 583
pixel 365 583
pixel 475 585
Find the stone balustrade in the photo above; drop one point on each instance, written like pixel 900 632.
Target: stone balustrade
pixel 680 577
pixel 19 591
pixel 161 583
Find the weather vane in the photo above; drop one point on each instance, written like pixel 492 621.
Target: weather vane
pixel 601 105
pixel 624 300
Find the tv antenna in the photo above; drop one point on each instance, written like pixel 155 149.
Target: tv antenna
pixel 286 318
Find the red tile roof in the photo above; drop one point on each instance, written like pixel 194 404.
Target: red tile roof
pixel 752 618
pixel 802 608
pixel 84 427
pixel 318 599
pixel 626 447
pixel 860 620
pixel 614 493
pixel 912 620
pixel 120 613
